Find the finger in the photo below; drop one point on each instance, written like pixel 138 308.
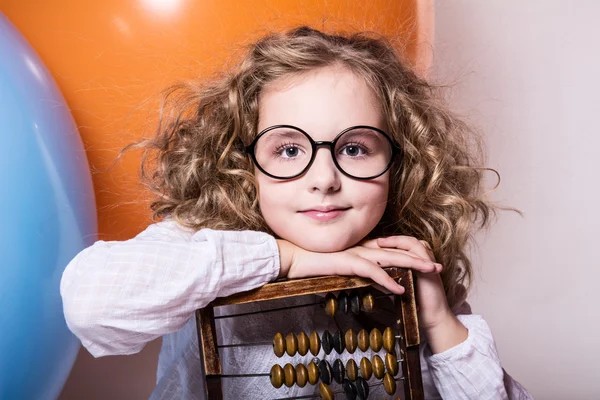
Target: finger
pixel 387 258
pixel 408 243
pixel 356 265
pixel 373 245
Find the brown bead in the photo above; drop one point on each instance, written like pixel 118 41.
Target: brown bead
pixel 313 373
pixel 338 370
pixel 354 302
pixel 278 344
pixel 351 341
pixel 301 375
pixel 368 302
pixel 291 344
pixel 366 369
pixel 351 369
pixel 289 374
pixel 302 343
pixel 363 340
pixel 362 389
pixel 325 371
pixel 315 343
pixel 276 376
pixel 339 342
pixel 325 391
pixel 391 364
pixel 375 339
pixel 378 367
pixel 389 384
pixel 327 342
pixel 389 340
pixel 331 304
pixel 342 300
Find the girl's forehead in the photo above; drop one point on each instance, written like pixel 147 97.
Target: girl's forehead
pixel 326 100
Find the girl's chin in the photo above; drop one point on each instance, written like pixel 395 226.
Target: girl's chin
pixel 322 245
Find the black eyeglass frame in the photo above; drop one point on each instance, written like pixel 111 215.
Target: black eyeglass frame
pixel 396 150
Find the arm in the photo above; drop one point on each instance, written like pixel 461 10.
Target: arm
pixel 471 369
pixel 117 296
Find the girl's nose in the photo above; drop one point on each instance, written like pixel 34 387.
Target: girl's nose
pixel 323 176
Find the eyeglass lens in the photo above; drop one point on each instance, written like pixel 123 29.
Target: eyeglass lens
pixel 286 152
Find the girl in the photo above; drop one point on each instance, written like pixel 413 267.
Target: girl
pixel 317 155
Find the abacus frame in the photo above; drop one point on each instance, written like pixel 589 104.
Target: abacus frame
pixel 405 314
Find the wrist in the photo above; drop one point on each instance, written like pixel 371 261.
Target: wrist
pixel 448 333
pixel 286 257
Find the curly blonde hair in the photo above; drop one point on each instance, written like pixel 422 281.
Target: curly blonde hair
pixel 197 167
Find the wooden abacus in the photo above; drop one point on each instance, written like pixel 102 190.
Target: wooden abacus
pixel 352 377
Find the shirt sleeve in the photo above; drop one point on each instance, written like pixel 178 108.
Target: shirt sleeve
pixel 117 296
pixel 472 369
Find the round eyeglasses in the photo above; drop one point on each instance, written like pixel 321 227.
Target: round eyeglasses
pixel 359 152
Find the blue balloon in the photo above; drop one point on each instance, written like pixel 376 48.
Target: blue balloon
pixel 47 215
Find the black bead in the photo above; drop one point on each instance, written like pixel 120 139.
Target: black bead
pixel 343 302
pixel 339 343
pixel 362 389
pixel 349 390
pixel 354 302
pixel 338 370
pixel 327 342
pixel 325 372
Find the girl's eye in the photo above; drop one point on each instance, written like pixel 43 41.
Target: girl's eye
pixel 291 152
pixel 288 151
pixel 354 150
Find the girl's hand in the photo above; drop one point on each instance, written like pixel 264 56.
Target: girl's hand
pixel 360 260
pixel 433 307
pixel 440 325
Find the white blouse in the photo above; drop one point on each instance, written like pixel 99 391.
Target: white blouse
pixel 118 296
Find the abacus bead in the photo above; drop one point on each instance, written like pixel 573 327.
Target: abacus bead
pixel 325 391
pixel 368 302
pixel 289 374
pixel 338 370
pixel 313 373
pixel 278 344
pixel 389 340
pixel 327 342
pixel 389 384
pixel 351 369
pixel 302 343
pixel 315 343
pixel 291 344
pixel 366 369
pixel 276 376
pixel 363 340
pixel 330 304
pixel 354 302
pixel 391 363
pixel 375 340
pixel 349 390
pixel 301 375
pixel 343 302
pixel 378 368
pixel 362 389
pixel 351 341
pixel 325 371
pixel 338 342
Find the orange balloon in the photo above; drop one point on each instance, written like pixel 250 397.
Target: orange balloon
pixel 111 58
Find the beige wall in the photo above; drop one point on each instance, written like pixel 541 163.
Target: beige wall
pixel 528 73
